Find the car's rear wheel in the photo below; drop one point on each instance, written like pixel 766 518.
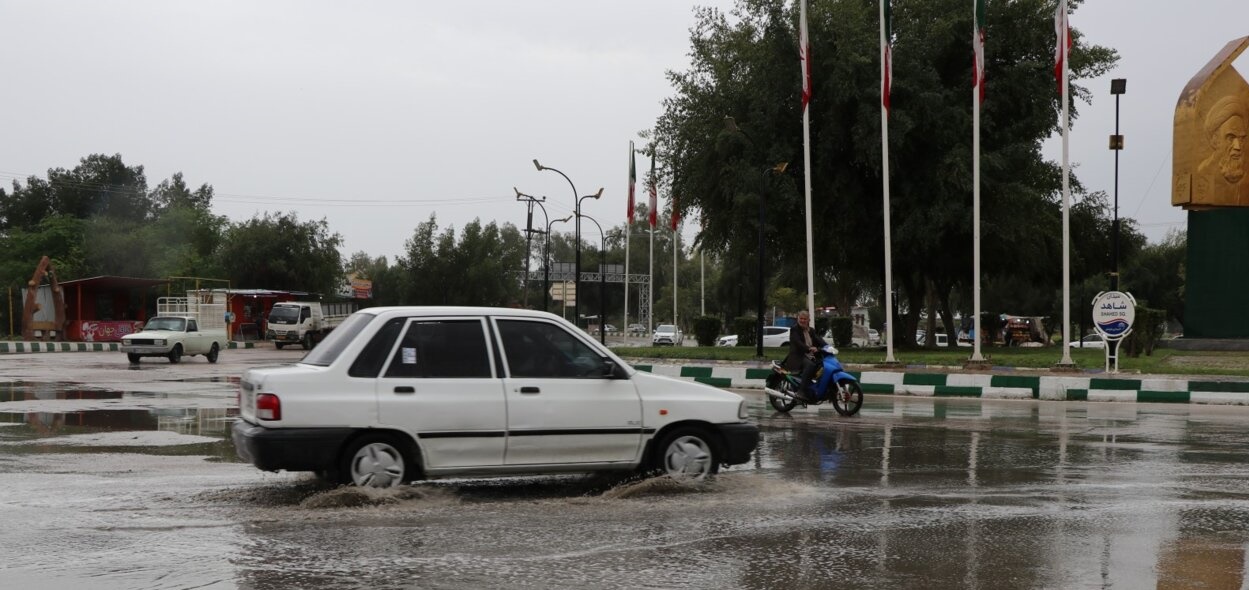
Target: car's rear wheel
pixel 688 454
pixel 376 461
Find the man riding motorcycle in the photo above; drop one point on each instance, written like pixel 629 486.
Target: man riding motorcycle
pixel 804 345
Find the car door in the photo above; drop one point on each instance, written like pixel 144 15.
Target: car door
pixel 561 407
pixel 440 385
pixel 193 343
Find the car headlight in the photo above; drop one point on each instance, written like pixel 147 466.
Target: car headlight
pixel 741 410
pixel 159 342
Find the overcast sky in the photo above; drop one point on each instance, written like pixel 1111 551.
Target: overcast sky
pixel 374 115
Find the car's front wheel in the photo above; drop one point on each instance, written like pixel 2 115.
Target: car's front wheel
pixel 175 355
pixel 376 461
pixel 213 353
pixel 688 453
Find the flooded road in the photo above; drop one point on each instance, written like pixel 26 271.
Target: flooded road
pixel 114 478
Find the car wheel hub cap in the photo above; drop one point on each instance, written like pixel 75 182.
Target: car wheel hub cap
pixel 688 457
pixel 378 466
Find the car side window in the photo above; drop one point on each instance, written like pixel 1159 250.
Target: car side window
pixel 545 350
pixel 441 349
pixel 369 362
pixel 191 327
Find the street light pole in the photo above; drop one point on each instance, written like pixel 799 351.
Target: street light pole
pixel 602 282
pixel 546 261
pixel 576 306
pixel 546 287
pixel 1117 87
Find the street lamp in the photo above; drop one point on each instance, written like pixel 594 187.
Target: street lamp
pixel 546 259
pixel 576 307
pixel 1117 87
pixel 731 126
pixel 602 282
pixel 529 236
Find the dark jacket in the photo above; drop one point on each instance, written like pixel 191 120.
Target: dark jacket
pixel 798 347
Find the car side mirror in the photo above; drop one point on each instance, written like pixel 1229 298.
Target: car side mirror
pixel 613 371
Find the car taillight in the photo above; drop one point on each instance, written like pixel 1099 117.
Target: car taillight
pixel 268 407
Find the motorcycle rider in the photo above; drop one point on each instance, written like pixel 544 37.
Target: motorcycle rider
pixel 804 346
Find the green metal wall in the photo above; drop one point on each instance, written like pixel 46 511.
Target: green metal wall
pixel 1217 282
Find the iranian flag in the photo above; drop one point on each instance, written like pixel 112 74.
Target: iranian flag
pixel 978 44
pixel 804 55
pixel 654 206
pixel 633 179
pixel 886 53
pixel 1062 30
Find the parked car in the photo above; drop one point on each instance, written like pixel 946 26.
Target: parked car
pixel 395 394
pixel 773 336
pixel 637 329
pixel 667 335
pixel 1091 341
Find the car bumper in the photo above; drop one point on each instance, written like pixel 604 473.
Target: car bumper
pixel 292 449
pixel 740 440
pixel 284 335
pixel 146 349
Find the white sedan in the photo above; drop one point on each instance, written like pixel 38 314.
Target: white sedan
pixel 1090 341
pixel 667 335
pixel 773 337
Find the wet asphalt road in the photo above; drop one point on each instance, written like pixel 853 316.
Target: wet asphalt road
pixel 113 477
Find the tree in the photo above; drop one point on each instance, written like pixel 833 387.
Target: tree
pixel 278 251
pixel 746 70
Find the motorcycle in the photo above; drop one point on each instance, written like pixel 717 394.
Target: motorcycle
pixel 831 383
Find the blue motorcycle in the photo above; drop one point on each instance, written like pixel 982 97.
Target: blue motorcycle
pixel 831 383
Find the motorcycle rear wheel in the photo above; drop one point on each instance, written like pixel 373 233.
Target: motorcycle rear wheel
pixel 848 398
pixel 783 405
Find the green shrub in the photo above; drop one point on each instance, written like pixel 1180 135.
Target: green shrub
pixel 843 330
pixel 706 329
pixel 1147 329
pixel 745 328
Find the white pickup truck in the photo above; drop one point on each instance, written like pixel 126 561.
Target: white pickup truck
pixel 304 322
pixel 182 326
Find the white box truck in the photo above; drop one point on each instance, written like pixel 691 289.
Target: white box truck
pixel 304 322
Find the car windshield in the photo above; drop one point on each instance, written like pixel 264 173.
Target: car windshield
pixel 283 314
pixel 167 324
pixel 666 328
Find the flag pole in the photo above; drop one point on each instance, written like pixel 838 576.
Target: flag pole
pixel 976 94
pixel 886 55
pixel 1062 44
pixel 624 322
pixel 806 152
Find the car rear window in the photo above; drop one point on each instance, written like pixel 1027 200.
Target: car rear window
pixel 328 350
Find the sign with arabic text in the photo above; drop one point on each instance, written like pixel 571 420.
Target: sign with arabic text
pixel 1113 314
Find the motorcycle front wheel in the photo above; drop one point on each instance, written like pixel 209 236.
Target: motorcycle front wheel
pixel 848 398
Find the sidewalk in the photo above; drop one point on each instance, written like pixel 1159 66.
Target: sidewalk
pixel 1001 384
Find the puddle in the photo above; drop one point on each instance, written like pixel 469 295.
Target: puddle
pixel 161 438
pixel 213 423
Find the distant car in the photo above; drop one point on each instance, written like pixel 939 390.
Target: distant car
pixel 773 337
pixel 610 329
pixel 638 329
pixel 873 337
pixel 1090 341
pixel 667 335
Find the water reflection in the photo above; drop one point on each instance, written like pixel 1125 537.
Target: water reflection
pixel 198 421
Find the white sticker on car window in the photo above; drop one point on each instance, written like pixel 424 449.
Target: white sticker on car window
pixel 409 356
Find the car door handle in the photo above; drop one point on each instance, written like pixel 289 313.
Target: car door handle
pixel 405 389
pixel 530 390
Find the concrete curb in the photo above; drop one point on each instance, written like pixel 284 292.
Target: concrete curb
pixel 25 347
pixel 992 386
